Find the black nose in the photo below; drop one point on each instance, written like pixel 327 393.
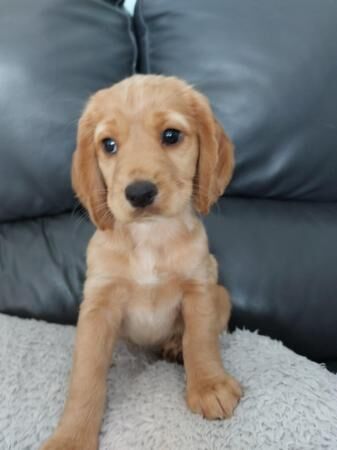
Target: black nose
pixel 141 193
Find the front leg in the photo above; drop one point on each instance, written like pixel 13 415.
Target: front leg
pixel 97 330
pixel 211 391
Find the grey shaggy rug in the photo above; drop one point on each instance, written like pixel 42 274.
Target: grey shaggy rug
pixel 290 403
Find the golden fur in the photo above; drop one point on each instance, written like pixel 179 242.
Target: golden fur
pixel 150 276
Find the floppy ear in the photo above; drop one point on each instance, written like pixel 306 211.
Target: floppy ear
pixel 216 157
pixel 87 179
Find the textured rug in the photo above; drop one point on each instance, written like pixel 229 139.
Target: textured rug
pixel 290 403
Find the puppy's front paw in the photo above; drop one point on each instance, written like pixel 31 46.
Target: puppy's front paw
pixel 215 399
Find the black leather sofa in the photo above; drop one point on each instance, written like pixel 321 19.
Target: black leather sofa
pixel 270 71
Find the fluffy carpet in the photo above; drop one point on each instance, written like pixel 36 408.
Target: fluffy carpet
pixel 289 403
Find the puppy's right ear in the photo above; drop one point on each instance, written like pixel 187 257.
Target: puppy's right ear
pixel 216 156
pixel 87 179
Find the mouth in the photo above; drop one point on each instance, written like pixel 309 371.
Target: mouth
pixel 125 213
pixel 146 212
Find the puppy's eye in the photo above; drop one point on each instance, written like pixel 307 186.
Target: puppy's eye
pixel 171 136
pixel 110 146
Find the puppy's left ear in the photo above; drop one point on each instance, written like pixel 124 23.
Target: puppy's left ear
pixel 87 179
pixel 216 156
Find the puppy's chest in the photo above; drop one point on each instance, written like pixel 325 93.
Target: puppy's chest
pixel 157 267
pixel 154 307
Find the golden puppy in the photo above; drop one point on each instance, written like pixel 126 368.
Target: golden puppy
pixel 150 155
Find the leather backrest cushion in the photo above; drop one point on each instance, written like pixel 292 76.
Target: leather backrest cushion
pixel 279 261
pixel 42 266
pixel 270 71
pixel 53 55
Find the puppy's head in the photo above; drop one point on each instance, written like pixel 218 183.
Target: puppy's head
pixel 148 146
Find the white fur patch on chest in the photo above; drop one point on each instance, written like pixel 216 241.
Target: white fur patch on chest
pixel 143 266
pixel 145 257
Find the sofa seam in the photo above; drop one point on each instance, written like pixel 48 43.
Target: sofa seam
pixel 131 35
pixel 142 36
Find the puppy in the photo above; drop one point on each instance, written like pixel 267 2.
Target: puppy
pixel 150 156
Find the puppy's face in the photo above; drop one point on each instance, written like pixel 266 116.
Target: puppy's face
pixel 149 146
pixel 146 148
